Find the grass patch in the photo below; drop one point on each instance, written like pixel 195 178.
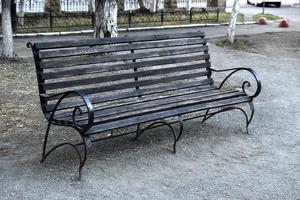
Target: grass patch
pixel 225 17
pixel 267 16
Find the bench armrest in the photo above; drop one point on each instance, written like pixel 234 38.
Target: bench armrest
pixel 77 110
pixel 245 83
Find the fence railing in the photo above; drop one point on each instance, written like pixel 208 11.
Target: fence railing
pixel 40 22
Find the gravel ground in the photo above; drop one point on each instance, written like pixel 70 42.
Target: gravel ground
pixel 214 160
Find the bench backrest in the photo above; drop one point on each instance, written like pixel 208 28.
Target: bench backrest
pixel 127 66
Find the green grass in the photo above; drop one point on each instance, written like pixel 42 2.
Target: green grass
pixel 267 16
pixel 225 17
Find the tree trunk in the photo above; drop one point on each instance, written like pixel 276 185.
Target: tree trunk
pixel 21 12
pixel 52 6
pixel 233 19
pixel 106 19
pixel 142 6
pixel 154 6
pixel 91 6
pixel 7 37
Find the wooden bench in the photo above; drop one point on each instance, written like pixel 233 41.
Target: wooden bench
pixel 98 85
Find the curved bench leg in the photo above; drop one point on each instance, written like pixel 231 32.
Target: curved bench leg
pixel 45 142
pixel 208 115
pixel 82 159
pixel 139 132
pixel 205 115
pixel 180 133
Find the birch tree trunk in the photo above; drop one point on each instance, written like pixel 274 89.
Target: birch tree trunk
pixel 153 6
pixel 106 18
pixel 232 23
pixel 21 12
pixel 7 37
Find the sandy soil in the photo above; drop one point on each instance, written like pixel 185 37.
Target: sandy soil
pixel 214 160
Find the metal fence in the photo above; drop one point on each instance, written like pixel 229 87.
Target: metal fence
pixel 41 22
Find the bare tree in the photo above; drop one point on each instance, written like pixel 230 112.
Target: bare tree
pixel 106 18
pixel 21 12
pixel 232 23
pixel 7 35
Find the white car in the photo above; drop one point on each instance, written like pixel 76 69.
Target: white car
pixel 260 2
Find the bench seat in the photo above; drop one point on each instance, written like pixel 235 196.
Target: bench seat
pixel 145 109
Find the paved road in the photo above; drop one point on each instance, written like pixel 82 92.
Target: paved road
pixel 291 13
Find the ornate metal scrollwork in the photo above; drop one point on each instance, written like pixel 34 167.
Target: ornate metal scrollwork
pixel 76 110
pixel 80 128
pixel 246 84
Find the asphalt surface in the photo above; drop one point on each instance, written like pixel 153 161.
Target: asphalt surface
pixel 290 13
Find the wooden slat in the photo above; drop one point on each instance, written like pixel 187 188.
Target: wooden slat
pixel 117 77
pixel 120 47
pixel 123 66
pixel 163 107
pixel 145 105
pixel 141 83
pixel 165 114
pixel 123 57
pixel 142 92
pixel 104 41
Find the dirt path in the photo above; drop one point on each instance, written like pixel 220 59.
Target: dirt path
pixel 214 160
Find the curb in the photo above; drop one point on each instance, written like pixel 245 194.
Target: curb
pixel 17 35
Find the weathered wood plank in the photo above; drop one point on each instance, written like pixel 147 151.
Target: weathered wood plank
pixel 160 102
pixel 105 41
pixel 116 67
pixel 124 76
pixel 113 58
pixel 165 106
pixel 164 114
pixel 57 53
pixel 147 94
pixel 140 83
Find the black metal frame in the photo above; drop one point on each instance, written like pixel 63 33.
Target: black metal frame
pixel 81 129
pixel 87 142
pixel 244 85
pixel 139 132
